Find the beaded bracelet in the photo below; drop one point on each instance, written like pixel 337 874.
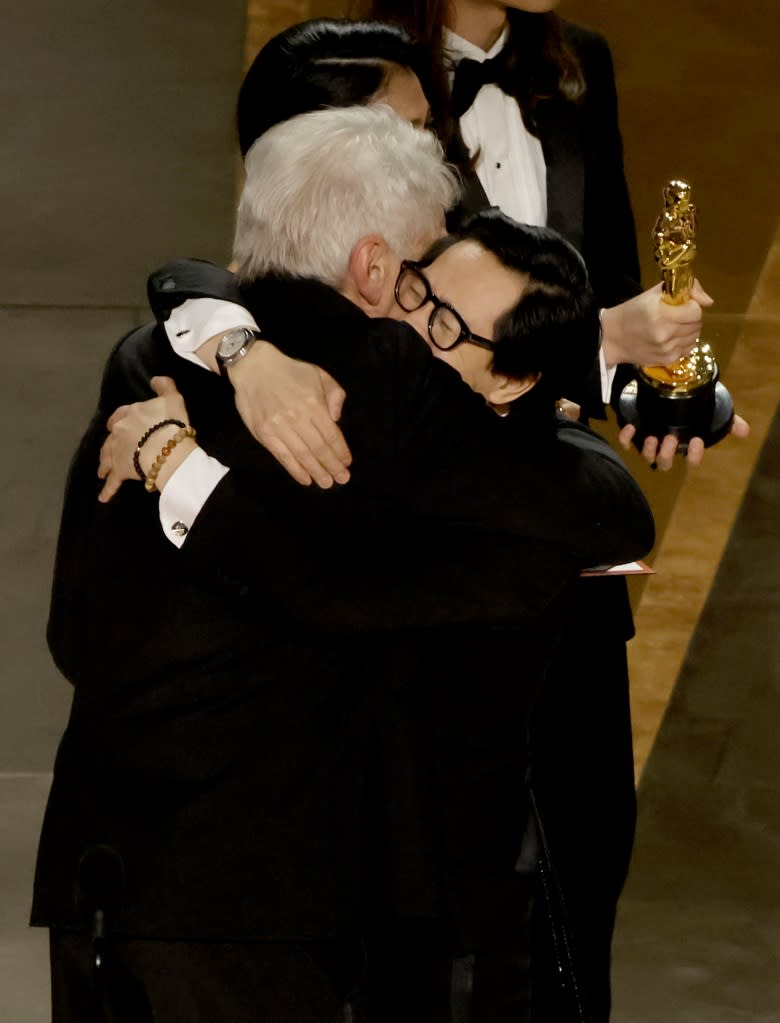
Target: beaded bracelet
pixel 145 438
pixel 150 483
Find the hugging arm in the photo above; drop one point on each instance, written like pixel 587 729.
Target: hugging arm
pixel 456 526
pixel 290 407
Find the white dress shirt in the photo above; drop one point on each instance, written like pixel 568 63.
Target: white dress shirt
pixel 510 166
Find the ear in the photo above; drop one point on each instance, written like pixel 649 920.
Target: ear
pixel 370 270
pixel 505 390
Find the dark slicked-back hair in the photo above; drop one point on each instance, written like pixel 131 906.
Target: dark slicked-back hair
pixel 325 62
pixel 553 331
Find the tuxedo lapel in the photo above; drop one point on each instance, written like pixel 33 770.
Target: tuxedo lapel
pixel 559 130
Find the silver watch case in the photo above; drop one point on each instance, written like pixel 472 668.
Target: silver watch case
pixel 233 346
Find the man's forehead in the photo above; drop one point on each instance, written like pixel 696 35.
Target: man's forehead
pixel 467 264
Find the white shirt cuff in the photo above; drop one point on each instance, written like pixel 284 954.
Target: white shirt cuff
pixel 607 377
pixel 196 320
pixel 186 492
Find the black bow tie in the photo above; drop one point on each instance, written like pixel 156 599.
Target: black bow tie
pixel 471 75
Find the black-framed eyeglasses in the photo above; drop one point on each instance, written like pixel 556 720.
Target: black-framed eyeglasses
pixel 446 327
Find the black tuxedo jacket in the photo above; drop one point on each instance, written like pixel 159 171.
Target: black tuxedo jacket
pixel 587 194
pixel 223 736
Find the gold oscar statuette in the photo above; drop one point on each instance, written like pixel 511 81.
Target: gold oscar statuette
pixel 686 398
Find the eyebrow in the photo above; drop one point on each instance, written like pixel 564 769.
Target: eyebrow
pixel 442 298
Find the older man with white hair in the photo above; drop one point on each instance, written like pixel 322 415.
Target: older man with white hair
pixel 218 822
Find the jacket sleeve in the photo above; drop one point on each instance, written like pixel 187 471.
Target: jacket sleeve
pixel 609 234
pixel 609 244
pixel 182 279
pixel 470 530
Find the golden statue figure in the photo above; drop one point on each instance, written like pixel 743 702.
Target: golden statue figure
pixel 674 238
pixel 685 399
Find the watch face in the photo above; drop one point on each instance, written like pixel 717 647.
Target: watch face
pixel 232 343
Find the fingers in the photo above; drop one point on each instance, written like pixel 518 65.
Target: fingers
pixel 117 415
pixel 105 459
pixel 333 454
pixel 163 386
pixel 334 395
pixel 675 347
pixel 660 456
pixel 288 461
pixel 314 456
pixel 676 332
pixel 740 427
pixel 665 455
pixel 626 436
pixel 680 317
pixel 110 488
pixel 695 452
pixel 649 450
pixel 339 455
pixel 310 447
pixel 698 294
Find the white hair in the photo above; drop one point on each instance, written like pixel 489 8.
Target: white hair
pixel 318 183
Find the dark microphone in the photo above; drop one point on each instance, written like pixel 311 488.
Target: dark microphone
pixel 99 886
pixel 118 995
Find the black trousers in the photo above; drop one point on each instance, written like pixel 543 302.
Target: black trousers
pixel 403 974
pixel 140 981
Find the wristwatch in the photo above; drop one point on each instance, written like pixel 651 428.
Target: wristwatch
pixel 233 346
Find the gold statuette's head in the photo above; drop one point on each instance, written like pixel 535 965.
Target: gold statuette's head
pixel 677 195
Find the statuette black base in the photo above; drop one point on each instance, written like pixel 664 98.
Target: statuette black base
pixel 707 413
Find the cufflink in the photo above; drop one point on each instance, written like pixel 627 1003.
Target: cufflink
pixel 179 529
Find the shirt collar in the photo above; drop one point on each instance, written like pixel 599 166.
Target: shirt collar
pixel 456 47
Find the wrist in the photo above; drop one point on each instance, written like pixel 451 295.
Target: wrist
pixel 180 454
pixel 257 356
pixel 610 336
pixel 152 448
pixel 207 353
pixel 159 461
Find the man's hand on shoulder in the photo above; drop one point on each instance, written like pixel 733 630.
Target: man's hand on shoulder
pixel 292 408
